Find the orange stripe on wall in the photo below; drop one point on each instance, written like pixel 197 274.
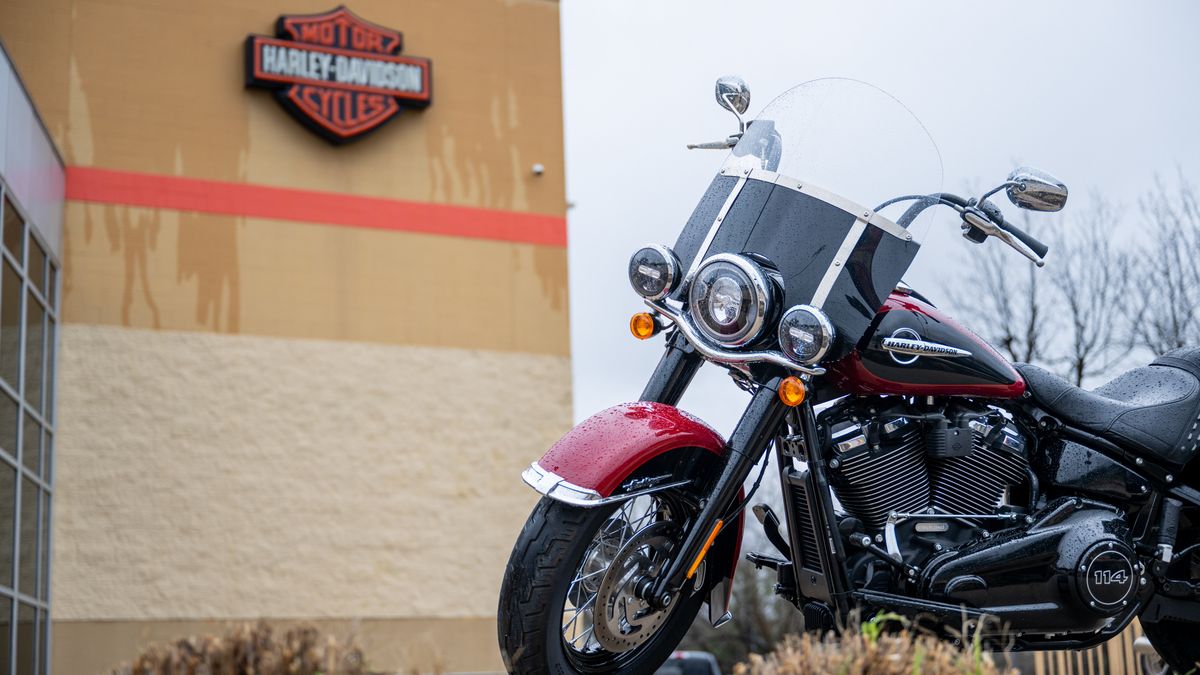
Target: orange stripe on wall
pixel 105 186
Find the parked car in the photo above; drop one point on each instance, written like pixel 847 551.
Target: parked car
pixel 690 663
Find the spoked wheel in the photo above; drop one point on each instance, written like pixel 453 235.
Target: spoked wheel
pixel 572 599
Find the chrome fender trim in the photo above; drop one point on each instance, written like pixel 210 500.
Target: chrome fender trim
pixel 554 486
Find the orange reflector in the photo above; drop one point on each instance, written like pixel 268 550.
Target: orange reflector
pixel 704 551
pixel 791 391
pixel 643 325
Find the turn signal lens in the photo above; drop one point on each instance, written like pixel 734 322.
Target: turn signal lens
pixel 792 391
pixel 712 536
pixel 643 326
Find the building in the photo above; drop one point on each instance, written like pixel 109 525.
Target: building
pixel 295 379
pixel 31 183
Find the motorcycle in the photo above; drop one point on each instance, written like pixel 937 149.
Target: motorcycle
pixel 922 474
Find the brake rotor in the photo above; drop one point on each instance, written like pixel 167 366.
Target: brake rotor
pixel 624 621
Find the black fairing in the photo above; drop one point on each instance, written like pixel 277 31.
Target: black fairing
pixel 801 234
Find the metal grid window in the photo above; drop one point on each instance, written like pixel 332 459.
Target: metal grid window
pixel 29 280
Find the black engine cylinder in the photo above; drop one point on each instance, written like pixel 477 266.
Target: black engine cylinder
pixel 1071 569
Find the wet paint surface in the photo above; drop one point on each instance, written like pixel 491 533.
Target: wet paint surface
pixel 606 447
pixel 869 369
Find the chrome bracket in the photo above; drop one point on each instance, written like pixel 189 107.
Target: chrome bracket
pixel 718 606
pixel 737 359
pixel 889 535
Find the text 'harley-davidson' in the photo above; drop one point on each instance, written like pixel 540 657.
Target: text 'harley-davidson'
pixel 922 473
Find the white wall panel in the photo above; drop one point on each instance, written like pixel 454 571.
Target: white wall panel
pixel 17 142
pixel 45 201
pixel 5 77
pixel 30 165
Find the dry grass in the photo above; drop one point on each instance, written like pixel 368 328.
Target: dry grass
pixel 252 649
pixel 870 651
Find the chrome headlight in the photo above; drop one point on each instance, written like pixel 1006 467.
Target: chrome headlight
pixel 729 298
pixel 805 334
pixel 653 271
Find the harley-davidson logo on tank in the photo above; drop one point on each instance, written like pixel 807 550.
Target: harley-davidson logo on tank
pixel 338 74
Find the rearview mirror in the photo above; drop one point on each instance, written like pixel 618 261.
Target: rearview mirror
pixel 733 94
pixel 1036 190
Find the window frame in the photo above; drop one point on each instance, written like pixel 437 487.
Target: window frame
pixel 43 413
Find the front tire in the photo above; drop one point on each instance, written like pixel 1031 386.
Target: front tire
pixel 543 576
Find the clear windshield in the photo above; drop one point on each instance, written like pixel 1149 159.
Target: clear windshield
pixel 850 138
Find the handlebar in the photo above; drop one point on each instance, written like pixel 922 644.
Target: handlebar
pixel 993 214
pixel 1029 240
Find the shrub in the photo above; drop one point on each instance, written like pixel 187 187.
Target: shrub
pixel 870 651
pixel 251 649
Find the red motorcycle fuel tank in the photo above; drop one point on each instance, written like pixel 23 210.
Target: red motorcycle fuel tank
pixel 871 369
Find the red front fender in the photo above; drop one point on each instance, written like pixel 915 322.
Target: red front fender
pixel 589 464
pixel 606 448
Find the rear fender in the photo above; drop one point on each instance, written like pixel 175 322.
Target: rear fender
pixel 599 462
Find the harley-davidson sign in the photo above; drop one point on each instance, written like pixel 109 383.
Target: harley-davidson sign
pixel 338 74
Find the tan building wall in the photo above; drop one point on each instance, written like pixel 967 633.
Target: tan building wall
pixel 266 418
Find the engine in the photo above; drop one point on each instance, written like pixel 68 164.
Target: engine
pixel 958 466
pixel 936 489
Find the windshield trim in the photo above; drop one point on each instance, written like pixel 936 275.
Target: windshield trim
pixel 829 197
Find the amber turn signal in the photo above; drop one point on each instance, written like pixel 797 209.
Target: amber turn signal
pixel 712 536
pixel 643 326
pixel 792 391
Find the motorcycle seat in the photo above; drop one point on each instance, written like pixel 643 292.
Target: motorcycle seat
pixel 1152 411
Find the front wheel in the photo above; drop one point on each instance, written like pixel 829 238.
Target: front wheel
pixel 569 602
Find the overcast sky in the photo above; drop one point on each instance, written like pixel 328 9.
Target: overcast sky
pixel 1102 94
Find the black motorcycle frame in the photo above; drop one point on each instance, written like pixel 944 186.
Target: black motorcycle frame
pixel 1141 485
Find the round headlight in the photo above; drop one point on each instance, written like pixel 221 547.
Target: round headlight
pixel 653 271
pixel 805 334
pixel 730 298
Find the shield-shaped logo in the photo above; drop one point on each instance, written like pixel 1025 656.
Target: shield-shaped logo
pixel 338 74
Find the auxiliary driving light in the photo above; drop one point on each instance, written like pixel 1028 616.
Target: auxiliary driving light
pixel 653 271
pixel 805 334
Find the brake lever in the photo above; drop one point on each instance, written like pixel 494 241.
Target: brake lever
pixel 977 219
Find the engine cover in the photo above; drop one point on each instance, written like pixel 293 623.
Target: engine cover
pixel 1070 570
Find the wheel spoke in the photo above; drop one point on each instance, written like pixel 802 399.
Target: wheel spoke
pixel 611 545
pixel 588 633
pixel 589 575
pixel 579 610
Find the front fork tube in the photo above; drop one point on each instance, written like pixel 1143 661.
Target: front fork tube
pixel 750 439
pixel 804 420
pixel 674 372
pixel 761 420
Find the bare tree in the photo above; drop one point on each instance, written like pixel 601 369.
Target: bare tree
pixel 1090 276
pixel 1166 270
pixel 1006 301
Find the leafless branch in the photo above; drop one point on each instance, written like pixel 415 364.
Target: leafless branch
pixel 1005 300
pixel 1166 270
pixel 1090 276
